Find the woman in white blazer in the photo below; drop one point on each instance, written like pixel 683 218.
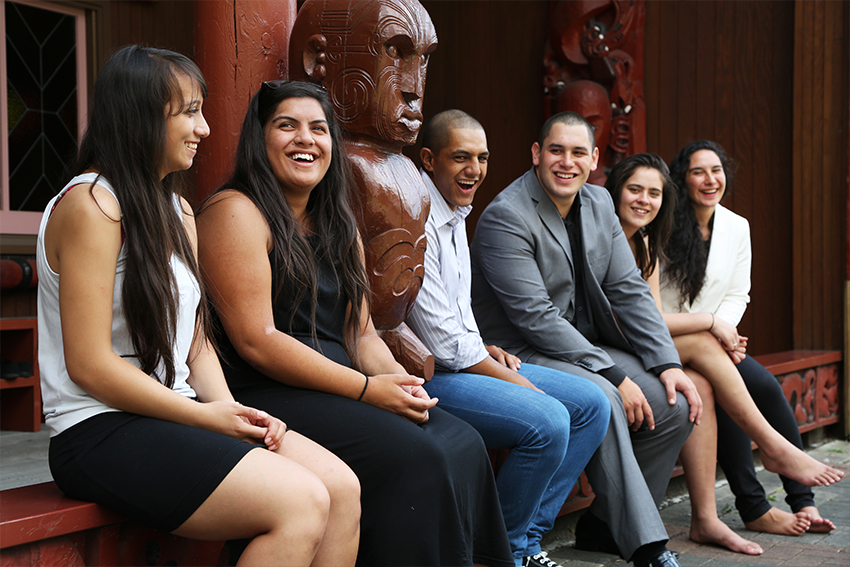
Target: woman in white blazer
pixel 706 279
pixel 645 199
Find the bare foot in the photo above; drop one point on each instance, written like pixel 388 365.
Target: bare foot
pixel 819 525
pixel 790 461
pixel 716 532
pixel 780 522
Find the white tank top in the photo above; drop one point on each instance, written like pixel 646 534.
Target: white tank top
pixel 64 403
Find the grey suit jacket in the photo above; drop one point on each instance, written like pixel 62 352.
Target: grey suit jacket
pixel 523 295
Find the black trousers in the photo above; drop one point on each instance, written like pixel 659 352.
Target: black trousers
pixel 735 454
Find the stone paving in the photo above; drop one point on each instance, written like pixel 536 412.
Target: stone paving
pixel 807 550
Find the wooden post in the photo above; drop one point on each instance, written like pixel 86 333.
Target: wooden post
pixel 238 45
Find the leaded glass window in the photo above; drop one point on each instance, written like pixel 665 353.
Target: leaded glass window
pixel 42 103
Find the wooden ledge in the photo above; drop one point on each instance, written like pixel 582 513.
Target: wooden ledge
pixel 793 360
pixel 41 511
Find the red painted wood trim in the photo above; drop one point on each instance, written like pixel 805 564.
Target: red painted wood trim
pixel 793 360
pixel 41 511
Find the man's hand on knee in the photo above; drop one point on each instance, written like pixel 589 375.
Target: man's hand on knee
pixel 674 379
pixel 636 405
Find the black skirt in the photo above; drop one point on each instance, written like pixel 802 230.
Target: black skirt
pixel 428 495
pixel 148 470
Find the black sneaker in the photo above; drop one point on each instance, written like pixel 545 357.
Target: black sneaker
pixel 539 560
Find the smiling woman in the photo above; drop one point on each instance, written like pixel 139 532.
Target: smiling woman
pixel 185 128
pixel 645 198
pixel 300 343
pixel 131 384
pixel 298 146
pixel 705 284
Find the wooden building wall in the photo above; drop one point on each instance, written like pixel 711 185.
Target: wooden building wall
pixel 820 205
pixel 767 80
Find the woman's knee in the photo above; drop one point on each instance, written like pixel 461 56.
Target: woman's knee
pixel 343 486
pixel 695 345
pixel 264 493
pixel 300 498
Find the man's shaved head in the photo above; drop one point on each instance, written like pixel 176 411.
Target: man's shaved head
pixel 435 134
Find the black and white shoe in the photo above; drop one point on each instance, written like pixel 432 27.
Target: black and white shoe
pixel 539 560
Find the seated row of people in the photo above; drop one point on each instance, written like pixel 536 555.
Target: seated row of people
pixel 373 466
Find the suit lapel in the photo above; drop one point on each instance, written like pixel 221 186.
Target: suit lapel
pixel 549 216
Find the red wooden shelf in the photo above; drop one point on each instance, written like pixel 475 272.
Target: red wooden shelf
pixel 20 402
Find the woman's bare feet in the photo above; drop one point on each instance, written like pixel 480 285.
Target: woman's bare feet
pixel 780 522
pixel 819 525
pixel 713 530
pixel 790 461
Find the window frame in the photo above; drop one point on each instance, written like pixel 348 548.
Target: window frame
pixel 27 222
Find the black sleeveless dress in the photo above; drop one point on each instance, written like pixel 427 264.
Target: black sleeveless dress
pixel 428 496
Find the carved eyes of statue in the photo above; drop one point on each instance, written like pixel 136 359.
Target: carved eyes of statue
pixel 402 51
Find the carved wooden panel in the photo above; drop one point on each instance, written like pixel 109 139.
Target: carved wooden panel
pixel 814 394
pixel 594 66
pixel 372 57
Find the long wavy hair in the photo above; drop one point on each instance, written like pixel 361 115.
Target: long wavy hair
pixel 686 251
pixel 334 227
pixel 658 231
pixel 134 94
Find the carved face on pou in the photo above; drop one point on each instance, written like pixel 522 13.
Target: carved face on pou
pixel 372 56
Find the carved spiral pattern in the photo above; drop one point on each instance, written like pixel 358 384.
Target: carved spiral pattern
pixel 411 17
pixel 350 92
pixel 390 80
pixel 374 44
pixel 335 48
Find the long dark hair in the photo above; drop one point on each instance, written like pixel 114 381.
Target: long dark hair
pixel 686 251
pixel 334 227
pixel 658 231
pixel 125 142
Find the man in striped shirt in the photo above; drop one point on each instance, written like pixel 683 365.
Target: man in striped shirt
pixel 551 421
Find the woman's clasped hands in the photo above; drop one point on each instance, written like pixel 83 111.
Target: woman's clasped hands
pixel 401 394
pixel 243 422
pixel 727 334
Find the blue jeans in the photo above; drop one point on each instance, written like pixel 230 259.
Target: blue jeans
pixel 551 438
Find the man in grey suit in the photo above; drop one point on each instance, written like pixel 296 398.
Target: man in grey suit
pixel 555 283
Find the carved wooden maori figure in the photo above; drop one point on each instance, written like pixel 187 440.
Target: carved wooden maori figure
pixel 372 56
pixel 594 66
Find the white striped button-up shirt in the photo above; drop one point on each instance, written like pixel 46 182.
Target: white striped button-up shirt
pixel 442 316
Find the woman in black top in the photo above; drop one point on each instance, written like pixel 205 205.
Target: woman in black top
pixel 283 259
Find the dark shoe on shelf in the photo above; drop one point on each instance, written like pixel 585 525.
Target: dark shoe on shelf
pixel 10 370
pixel 592 534
pixel 539 560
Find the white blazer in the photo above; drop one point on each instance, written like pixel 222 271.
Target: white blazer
pixel 726 290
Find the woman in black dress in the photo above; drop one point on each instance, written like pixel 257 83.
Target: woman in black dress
pixel 282 257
